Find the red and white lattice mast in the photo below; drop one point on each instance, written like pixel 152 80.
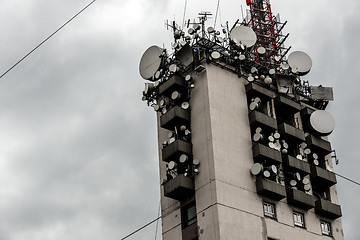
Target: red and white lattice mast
pixel 269 49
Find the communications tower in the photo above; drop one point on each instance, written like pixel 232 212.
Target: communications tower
pixel 243 148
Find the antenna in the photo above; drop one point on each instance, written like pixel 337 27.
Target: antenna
pixel 216 14
pixel 184 14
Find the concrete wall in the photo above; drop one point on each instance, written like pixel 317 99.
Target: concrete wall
pixel 228 206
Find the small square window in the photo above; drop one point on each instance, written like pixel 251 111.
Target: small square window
pixel 325 228
pixel 299 219
pixel 269 210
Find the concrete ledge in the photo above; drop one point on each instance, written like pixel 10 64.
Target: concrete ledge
pixel 179 188
pixel 322 178
pixel 318 145
pixel 262 152
pixel 296 164
pixel 286 105
pixel 258 119
pixel 300 199
pixel 175 83
pixel 173 151
pixel 291 133
pixel 175 117
pixel 327 209
pixel 270 188
pixel 255 90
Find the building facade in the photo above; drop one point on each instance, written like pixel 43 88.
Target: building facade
pixel 243 149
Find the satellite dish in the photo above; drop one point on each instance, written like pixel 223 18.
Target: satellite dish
pixel 266 173
pixel 293 183
pixel 172 165
pixel 163 110
pixel 277 135
pixel 297 176
pixel 322 122
pixel 256 169
pixel 191 31
pixel 253 106
pixel 173 68
pixel 305 181
pixel 257 137
pixel 183 128
pixel 156 107
pixel 175 95
pixel 307 188
pixel 285 66
pixel 307 151
pixel 261 50
pixel 277 58
pixel 250 78
pixel 185 105
pixel 196 162
pixel 243 34
pixel 150 62
pixel 268 80
pixel 300 62
pixel 242 57
pixel 188 77
pixel 149 88
pixel 272 71
pixel 316 162
pixel 274 169
pixel 183 158
pixel 210 29
pixel 215 55
pixel 315 156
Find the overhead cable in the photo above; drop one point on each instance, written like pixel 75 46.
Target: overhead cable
pixel 57 30
pixel 137 230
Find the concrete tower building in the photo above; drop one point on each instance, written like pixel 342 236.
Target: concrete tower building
pixel 242 139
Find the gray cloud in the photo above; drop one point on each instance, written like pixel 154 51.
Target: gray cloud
pixel 78 154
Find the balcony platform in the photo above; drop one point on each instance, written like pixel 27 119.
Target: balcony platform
pixel 270 188
pixel 327 209
pixel 173 151
pixel 265 122
pixel 300 199
pixel 175 117
pixel 179 188
pixel 262 152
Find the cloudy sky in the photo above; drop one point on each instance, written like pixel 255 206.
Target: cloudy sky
pixel 78 154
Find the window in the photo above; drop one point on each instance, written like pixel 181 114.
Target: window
pixel 325 228
pixel 269 210
pixel 299 219
pixel 188 213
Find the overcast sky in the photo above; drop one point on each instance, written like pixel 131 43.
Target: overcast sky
pixel 78 153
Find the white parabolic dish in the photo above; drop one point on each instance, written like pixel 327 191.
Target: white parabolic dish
pixel 150 62
pixel 322 122
pixel 300 62
pixel 245 35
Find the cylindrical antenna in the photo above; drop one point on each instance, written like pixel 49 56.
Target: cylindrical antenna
pixel 184 14
pixel 216 14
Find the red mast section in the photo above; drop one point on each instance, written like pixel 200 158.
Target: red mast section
pixel 268 30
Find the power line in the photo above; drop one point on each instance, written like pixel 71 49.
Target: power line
pixel 347 179
pixel 57 30
pixel 217 10
pixel 137 230
pixel 157 222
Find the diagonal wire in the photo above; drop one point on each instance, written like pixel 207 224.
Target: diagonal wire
pixel 137 230
pixel 157 222
pixel 346 178
pixel 57 30
pixel 217 10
